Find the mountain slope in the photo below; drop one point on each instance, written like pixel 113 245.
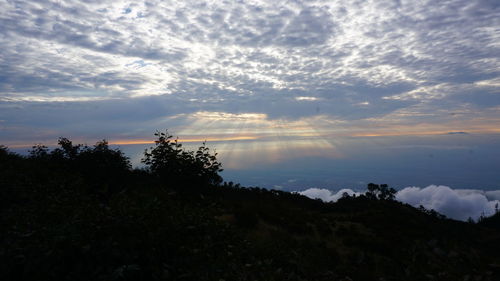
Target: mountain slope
pixel 75 219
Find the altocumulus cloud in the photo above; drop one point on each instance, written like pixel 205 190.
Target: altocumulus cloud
pixel 459 204
pixel 360 58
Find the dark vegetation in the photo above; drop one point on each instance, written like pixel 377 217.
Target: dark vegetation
pixel 82 213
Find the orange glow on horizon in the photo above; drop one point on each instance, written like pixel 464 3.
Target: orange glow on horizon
pixel 186 140
pixel 290 133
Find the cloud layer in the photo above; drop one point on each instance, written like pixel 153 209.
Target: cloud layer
pixel 326 195
pixel 459 204
pixel 456 204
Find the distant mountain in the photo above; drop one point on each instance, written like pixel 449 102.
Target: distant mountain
pixel 458 133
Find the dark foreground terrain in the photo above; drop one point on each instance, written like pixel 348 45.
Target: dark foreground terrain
pixel 81 213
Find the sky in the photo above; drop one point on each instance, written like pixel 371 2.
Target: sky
pixel 292 94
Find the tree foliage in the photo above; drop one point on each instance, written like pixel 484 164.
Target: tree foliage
pixel 170 161
pixel 380 192
pixel 104 169
pixel 4 151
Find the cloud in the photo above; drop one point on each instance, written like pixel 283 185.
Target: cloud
pixel 459 204
pixel 456 204
pixel 492 195
pixel 251 46
pixel 326 195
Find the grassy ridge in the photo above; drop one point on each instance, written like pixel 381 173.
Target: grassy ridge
pixel 67 217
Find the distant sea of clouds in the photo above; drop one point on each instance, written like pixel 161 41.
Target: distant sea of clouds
pixel 459 204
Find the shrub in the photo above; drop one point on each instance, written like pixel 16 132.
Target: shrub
pixel 381 192
pixel 171 162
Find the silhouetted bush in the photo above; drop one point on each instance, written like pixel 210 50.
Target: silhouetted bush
pixel 173 164
pixel 380 192
pixel 104 170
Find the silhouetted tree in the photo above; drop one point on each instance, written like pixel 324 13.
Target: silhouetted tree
pixel 104 158
pixel 67 150
pixel 171 162
pixel 39 151
pixel 7 159
pixel 104 170
pixel 372 191
pixel 434 213
pixel 3 150
pixel 380 192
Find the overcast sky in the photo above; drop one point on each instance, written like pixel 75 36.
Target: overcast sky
pixel 300 76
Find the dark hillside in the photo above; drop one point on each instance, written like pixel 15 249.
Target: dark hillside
pixel 81 213
pixel 491 222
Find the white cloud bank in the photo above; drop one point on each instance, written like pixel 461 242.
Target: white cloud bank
pixel 459 204
pixel 326 195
